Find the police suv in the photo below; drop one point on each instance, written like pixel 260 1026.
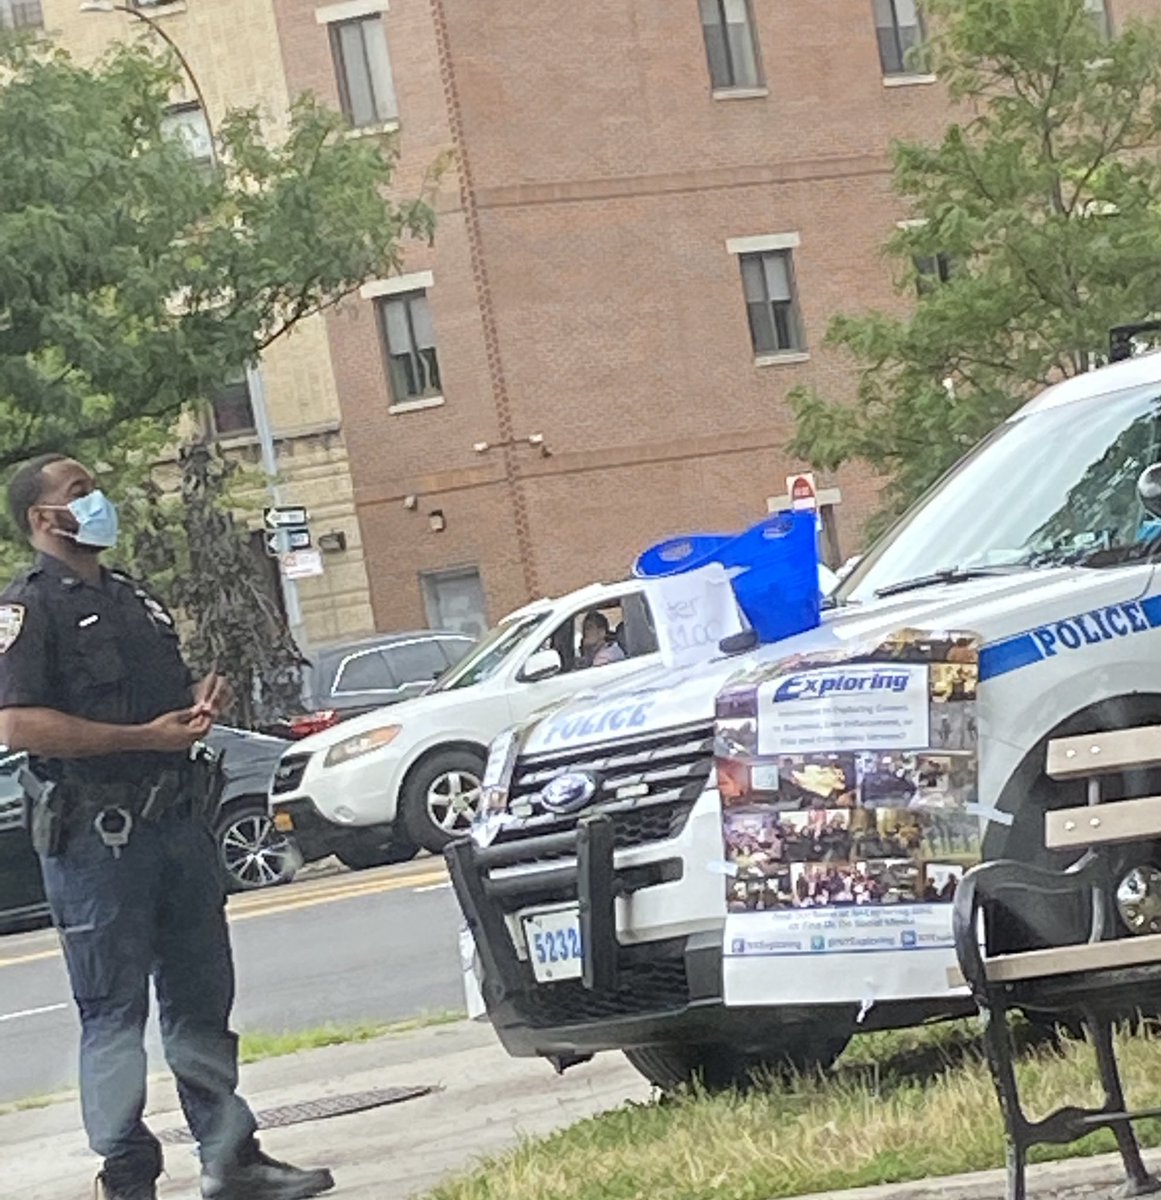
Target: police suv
pixel 750 859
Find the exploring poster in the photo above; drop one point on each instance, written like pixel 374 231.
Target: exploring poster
pixel 849 792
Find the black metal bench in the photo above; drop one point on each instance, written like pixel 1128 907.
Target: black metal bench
pixel 1108 974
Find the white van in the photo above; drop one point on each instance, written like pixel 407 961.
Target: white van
pixel 707 896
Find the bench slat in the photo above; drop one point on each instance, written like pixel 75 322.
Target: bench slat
pixel 1104 753
pixel 1136 820
pixel 1067 960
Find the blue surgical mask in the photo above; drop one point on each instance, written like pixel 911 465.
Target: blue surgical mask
pixel 97 521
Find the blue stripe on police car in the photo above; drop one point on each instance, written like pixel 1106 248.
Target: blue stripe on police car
pixel 1114 622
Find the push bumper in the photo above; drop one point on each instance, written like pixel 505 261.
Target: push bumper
pixel 628 994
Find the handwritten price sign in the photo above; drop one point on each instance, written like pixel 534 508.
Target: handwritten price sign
pixel 693 612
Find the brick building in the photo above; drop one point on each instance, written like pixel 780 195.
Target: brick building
pixel 658 205
pixel 654 209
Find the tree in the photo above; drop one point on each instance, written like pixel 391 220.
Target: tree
pixel 1044 201
pixel 190 547
pixel 134 281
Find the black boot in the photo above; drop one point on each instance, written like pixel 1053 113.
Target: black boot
pixel 106 1189
pixel 261 1178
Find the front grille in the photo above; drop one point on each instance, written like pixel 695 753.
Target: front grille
pixel 288 775
pixel 648 986
pixel 659 779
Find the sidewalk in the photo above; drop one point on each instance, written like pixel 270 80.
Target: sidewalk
pixel 486 1102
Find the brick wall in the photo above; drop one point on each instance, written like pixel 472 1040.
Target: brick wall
pixel 583 289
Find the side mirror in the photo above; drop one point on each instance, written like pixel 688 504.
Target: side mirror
pixel 1149 490
pixel 544 664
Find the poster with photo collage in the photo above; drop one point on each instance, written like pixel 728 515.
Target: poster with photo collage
pixel 850 781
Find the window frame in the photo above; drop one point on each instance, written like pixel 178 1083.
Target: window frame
pixel 342 75
pixel 15 15
pixel 796 328
pixel 405 298
pixel 242 431
pixel 896 28
pixel 439 659
pixel 338 690
pixel 733 84
pixel 1101 17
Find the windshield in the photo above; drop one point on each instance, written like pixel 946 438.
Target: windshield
pixel 1057 486
pixel 489 655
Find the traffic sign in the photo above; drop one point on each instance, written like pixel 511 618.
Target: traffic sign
pixel 803 492
pixel 287 541
pixel 285 517
pixel 302 564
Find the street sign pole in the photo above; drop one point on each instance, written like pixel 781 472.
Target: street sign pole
pixel 290 596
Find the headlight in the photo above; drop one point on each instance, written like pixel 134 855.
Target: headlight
pixel 361 743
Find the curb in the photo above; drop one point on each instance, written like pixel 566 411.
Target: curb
pixel 1055 1180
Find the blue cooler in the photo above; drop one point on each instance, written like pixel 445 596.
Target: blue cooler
pixel 774 569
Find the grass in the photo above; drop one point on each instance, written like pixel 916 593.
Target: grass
pixel 901 1106
pixel 255 1047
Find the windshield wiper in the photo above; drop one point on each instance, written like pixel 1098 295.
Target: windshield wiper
pixel 947 575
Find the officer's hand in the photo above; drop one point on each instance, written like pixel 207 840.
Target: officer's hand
pixel 175 732
pixel 213 696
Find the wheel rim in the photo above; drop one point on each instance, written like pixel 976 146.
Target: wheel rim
pixel 255 854
pixel 453 800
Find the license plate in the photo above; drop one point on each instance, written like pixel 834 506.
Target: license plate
pixel 554 944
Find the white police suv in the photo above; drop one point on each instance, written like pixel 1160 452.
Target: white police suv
pixel 747 860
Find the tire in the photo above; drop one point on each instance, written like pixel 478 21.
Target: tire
pixel 441 797
pixel 720 1068
pixel 366 857
pixel 252 852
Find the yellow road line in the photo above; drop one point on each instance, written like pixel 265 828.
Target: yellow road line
pixel 289 900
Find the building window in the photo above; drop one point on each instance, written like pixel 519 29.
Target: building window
pixel 232 410
pixel 931 270
pixel 21 14
pixel 731 44
pixel 363 67
pixel 771 303
pixel 1098 13
pixel 409 344
pixel 188 123
pixel 899 28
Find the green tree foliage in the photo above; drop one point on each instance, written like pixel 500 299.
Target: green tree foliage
pixel 191 548
pixel 1044 197
pixel 133 281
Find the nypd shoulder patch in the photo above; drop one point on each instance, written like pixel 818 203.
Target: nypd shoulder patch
pixel 11 623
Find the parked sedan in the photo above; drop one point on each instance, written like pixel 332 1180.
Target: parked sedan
pixel 353 678
pixel 253 853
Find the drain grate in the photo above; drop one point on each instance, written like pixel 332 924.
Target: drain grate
pixel 317 1110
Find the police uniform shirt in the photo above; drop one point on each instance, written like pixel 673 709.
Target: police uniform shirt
pixel 108 652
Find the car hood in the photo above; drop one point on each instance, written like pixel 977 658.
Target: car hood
pixel 994 608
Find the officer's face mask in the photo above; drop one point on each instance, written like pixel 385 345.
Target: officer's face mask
pixel 96 518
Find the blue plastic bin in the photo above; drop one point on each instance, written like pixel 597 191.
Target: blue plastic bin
pixel 774 565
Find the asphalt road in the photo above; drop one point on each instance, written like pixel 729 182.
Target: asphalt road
pixel 369 946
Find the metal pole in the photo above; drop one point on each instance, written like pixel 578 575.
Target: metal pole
pixel 254 379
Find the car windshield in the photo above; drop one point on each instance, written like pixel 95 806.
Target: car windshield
pixel 489 655
pixel 1055 487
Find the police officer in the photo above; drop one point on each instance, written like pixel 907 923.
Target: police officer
pixel 94 688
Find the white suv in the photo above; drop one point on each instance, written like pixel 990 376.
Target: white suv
pixel 665 887
pixel 376 788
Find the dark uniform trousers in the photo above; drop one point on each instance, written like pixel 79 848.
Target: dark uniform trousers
pixel 156 911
